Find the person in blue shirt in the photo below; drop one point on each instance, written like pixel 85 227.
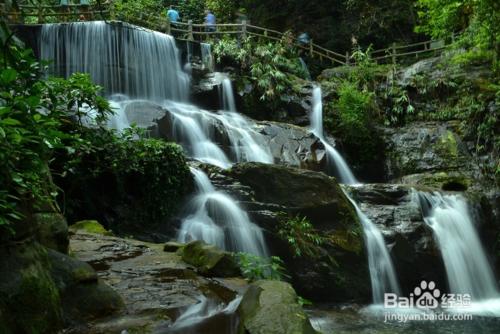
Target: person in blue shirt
pixel 210 20
pixel 173 15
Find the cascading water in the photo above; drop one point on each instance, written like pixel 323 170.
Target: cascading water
pixel 122 58
pixel 305 69
pixel 335 160
pixel 216 219
pixel 206 56
pixel 205 310
pixel 227 95
pixel 382 274
pixel 467 267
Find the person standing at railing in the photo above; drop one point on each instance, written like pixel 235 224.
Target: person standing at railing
pixel 210 21
pixel 173 15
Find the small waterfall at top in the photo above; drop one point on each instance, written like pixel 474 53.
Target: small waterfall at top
pixel 226 95
pixel 305 69
pixel 216 219
pixel 467 267
pixel 206 56
pixel 333 157
pixel 122 58
pixel 382 274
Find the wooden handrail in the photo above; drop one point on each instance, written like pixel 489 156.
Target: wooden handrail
pixel 190 29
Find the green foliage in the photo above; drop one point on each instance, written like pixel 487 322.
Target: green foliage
pixel 399 105
pixel 354 112
pixel 479 20
pixel 268 66
pixel 301 236
pixel 255 268
pixel 224 10
pixel 146 178
pixel 33 112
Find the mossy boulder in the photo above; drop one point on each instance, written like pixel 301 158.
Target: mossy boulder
pixel 52 230
pixel 271 307
pixel 308 193
pixel 426 147
pixel 89 226
pixel 29 298
pixel 274 195
pixel 83 296
pixel 210 260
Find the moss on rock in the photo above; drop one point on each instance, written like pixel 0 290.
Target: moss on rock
pixel 271 307
pixel 89 226
pixel 30 301
pixel 209 260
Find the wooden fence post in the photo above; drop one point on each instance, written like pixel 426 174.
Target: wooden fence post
pixel 167 26
pixel 393 52
pixel 40 14
pixel 244 29
pixel 311 48
pixel 190 30
pixel 111 12
pixel 347 57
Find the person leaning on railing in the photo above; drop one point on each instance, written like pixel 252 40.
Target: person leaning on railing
pixel 210 21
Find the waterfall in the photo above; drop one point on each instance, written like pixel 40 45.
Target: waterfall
pixel 206 56
pixel 216 218
pixel 305 69
pixel 334 158
pixel 201 132
pixel 227 95
pixel 202 311
pixel 382 274
pixel 120 57
pixel 467 267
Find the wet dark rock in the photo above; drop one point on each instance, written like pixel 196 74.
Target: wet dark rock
pixel 206 91
pixel 426 147
pixel 156 286
pixel 52 230
pixel 309 193
pixel 29 298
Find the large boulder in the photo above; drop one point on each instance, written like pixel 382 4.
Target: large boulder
pixel 52 230
pixel 293 145
pixel 274 195
pixel 304 192
pixel 271 307
pixel 210 260
pixel 426 147
pixel 29 298
pixel 83 296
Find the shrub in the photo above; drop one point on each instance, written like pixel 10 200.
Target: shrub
pixel 254 267
pixel 123 181
pixel 270 67
pixel 301 236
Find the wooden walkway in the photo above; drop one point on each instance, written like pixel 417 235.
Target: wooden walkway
pixel 191 31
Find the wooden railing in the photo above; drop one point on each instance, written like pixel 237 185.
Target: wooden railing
pixel 202 32
pixel 397 53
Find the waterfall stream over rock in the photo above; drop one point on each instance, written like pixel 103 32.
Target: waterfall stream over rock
pixel 466 264
pixel 122 58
